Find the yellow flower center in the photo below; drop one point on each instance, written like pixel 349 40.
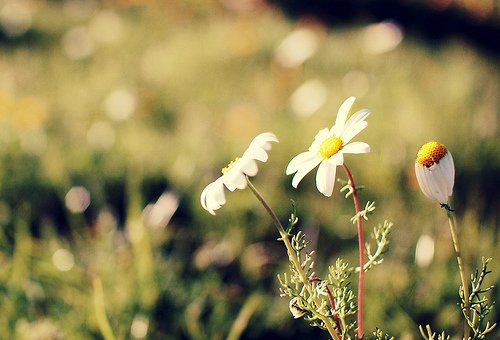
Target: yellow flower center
pixel 430 153
pixel 330 147
pixel 229 166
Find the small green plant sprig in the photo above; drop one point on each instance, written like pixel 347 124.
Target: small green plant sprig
pixel 479 306
pixel 429 334
pixel 307 298
pixel 337 300
pixel 379 335
pixel 475 308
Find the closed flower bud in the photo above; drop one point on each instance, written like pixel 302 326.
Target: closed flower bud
pixel 435 171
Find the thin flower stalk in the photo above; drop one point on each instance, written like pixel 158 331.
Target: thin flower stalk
pixel 291 254
pixel 332 303
pixel 461 265
pixel 361 246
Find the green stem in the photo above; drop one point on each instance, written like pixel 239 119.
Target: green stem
pixel 332 303
pixel 292 255
pixel 241 322
pixel 361 246
pixel 461 266
pixel 100 310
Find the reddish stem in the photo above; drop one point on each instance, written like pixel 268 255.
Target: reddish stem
pixel 361 245
pixel 332 302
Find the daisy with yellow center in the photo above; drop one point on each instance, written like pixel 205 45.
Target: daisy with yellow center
pixel 435 171
pixel 329 147
pixel 234 175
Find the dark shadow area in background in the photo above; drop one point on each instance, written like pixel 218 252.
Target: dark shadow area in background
pixel 420 19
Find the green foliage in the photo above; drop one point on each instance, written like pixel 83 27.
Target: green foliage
pixel 479 306
pixel 379 335
pixel 305 298
pixel 380 236
pixel 345 303
pixel 430 335
pixel 318 300
pixel 475 310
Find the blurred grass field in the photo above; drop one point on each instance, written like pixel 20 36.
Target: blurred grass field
pixel 115 115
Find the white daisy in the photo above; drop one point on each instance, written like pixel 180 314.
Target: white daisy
pixel 435 171
pixel 235 173
pixel 329 147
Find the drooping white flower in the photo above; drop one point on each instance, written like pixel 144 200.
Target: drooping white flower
pixel 435 171
pixel 235 173
pixel 328 149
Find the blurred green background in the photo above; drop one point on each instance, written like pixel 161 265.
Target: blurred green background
pixel 114 115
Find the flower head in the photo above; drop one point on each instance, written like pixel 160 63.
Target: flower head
pixel 235 173
pixel 435 171
pixel 328 149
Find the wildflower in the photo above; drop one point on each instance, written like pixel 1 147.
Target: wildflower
pixel 329 147
pixel 234 175
pixel 435 171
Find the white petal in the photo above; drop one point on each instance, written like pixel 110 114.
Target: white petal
pixel 452 165
pixel 297 161
pixel 337 159
pixel 259 145
pixel 449 171
pixel 325 178
pixel 304 169
pixel 439 178
pixel 256 153
pixel 319 138
pixel 322 134
pixel 433 182
pixel 265 137
pixel 235 178
pixel 263 141
pixel 356 147
pixel 249 167
pixel 212 197
pixel 342 115
pixel 357 117
pixel 420 172
pixel 351 131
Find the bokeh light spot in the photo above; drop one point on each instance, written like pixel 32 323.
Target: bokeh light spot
pixel 158 215
pixel 63 260
pixel 15 18
pixel 424 252
pixel 382 37
pixel 308 97
pixel 139 327
pixel 77 43
pixel 120 104
pixel 297 47
pixel 77 199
